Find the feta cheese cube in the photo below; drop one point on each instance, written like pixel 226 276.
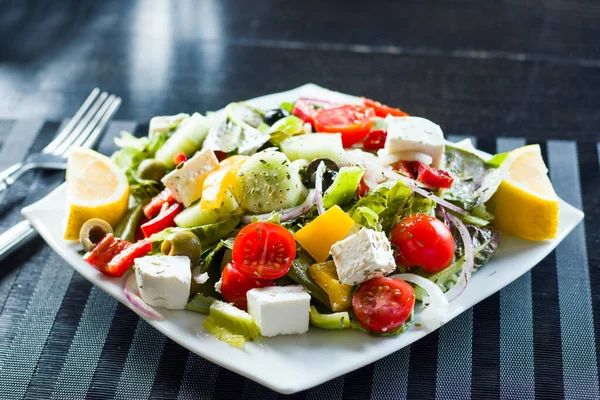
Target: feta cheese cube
pixel 164 281
pixel 279 310
pixel 164 123
pixel 365 255
pixel 186 182
pixel 415 134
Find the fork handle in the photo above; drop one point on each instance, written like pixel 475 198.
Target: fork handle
pixel 15 237
pixel 12 173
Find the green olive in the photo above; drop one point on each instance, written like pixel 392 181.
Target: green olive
pixel 93 231
pixel 182 243
pixel 151 169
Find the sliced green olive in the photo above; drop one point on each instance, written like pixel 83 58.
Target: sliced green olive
pixel 182 244
pixel 151 169
pixel 93 231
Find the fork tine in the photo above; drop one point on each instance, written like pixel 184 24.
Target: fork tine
pixel 90 127
pixel 72 122
pixel 80 128
pixel 93 138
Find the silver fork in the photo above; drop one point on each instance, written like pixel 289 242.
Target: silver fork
pixel 84 130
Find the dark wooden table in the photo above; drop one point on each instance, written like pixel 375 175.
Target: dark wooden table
pixel 524 69
pixel 508 68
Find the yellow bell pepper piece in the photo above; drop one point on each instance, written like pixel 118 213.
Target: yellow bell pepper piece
pixel 219 181
pixel 340 295
pixel 323 232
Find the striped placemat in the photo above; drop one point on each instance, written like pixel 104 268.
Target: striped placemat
pixel 61 338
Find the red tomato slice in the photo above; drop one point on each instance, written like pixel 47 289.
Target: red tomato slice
pixel 235 285
pixel 381 110
pixel 382 305
pixel 424 241
pixel 353 121
pixel 264 250
pixel 375 140
pixel 303 110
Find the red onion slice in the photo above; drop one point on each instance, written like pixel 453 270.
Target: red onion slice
pixel 318 102
pixel 445 215
pixel 319 187
pixel 467 269
pixel 287 214
pixel 136 301
pixel 436 304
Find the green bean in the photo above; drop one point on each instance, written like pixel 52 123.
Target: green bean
pixel 127 226
pixel 299 274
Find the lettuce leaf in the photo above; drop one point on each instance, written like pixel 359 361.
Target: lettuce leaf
pixel 133 151
pixel 208 234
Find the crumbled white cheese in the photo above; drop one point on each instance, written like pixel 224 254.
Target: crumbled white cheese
pixel 164 281
pixel 362 256
pixel 280 310
pixel 186 182
pixel 415 134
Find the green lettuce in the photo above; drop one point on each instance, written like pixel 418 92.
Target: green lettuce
pixel 132 152
pixel 208 234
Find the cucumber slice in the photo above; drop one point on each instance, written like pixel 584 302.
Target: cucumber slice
pixel 338 320
pixel 200 303
pixel 314 145
pixel 195 216
pixel 344 187
pixel 187 139
pixel 230 324
pixel 269 182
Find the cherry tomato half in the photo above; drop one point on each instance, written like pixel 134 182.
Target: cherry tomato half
pixel 375 140
pixel 383 304
pixel 264 250
pixel 235 285
pixel 353 121
pixel 424 241
pixel 381 110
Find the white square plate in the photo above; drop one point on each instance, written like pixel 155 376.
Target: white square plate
pixel 288 364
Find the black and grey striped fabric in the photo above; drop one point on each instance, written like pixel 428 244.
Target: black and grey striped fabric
pixel 61 338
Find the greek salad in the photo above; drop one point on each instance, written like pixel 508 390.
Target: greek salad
pixel 337 216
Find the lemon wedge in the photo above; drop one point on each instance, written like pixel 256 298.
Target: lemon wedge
pixel 96 188
pixel 525 204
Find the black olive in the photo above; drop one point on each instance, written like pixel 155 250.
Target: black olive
pixel 331 169
pixel 275 115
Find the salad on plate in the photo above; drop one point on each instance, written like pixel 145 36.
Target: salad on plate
pixel 312 213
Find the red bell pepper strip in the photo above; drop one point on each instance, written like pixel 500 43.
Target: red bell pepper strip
pixel 153 208
pixel 375 140
pixel 162 221
pixel 124 260
pixel 428 175
pixel 114 256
